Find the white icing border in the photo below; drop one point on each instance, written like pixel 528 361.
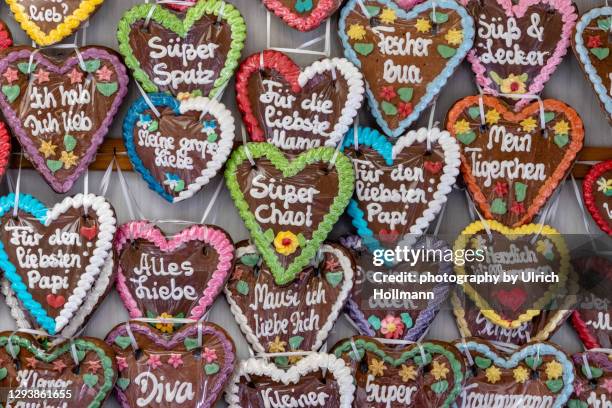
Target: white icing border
pixel 354 97
pixel 310 363
pixel 347 267
pixel 450 171
pixel 225 143
pixel 99 270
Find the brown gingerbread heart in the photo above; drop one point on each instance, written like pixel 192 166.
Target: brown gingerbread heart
pixel 597 192
pixel 513 162
pixel 593 383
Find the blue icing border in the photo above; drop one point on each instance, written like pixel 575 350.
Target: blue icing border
pixel 528 351
pixel 583 54
pixel 378 142
pixel 32 206
pixel 434 87
pixel 132 117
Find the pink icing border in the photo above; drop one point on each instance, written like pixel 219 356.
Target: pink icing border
pixel 206 233
pixel 323 10
pixel 568 16
pixel 408 4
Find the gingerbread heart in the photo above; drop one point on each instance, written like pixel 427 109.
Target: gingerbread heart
pixel 593 383
pixel 406 56
pixel 289 206
pixel 592 47
pixel 540 373
pixel 180 151
pixel 49 22
pixel 395 319
pixel 597 192
pixel 50 265
pixel 427 374
pixel 592 317
pixel 61 108
pixel 176 277
pixel 189 368
pixel 519 45
pixel 195 52
pixel 513 162
pixel 515 273
pixel 303 15
pixel 294 317
pixel 400 188
pixel 75 373
pixel 316 380
pixel 297 109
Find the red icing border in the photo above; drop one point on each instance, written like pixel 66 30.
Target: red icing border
pixel 5 149
pixel 588 194
pixel 323 10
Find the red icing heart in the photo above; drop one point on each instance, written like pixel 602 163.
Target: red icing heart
pixel 512 298
pixel 55 301
pixel 388 236
pixel 89 232
pixel 433 167
pixel 321 11
pixel 597 195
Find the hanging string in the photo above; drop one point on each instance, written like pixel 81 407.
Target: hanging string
pixel 129 200
pixel 246 147
pixel 356 132
pixel 73 352
pixel 583 211
pixel 17 188
pixel 211 203
pixel 332 162
pixel 430 124
pixel 147 100
pixel 364 9
pixel 466 350
pixel 440 217
pixel 85 190
pixel 106 178
pixel 485 224
pixel 128 330
pixel 303 48
pixel 587 367
pixel 149 16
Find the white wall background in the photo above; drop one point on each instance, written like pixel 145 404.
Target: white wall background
pixel 568 84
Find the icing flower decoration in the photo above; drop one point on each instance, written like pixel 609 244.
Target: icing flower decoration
pixel 277 346
pixel 521 374
pixel 493 374
pixel 286 243
pixel 175 360
pixel 423 25
pixel 69 159
pixel 594 41
pixel 492 117
pixel 408 373
pixel 121 363
pixel 104 74
pixel 174 182
pixel 11 75
pixel 461 126
pixel 31 362
pixel 605 186
pixel 579 388
pixel 154 361
pixel 356 32
pixel 294 359
pixel 165 327
pixel 47 148
pixel 607 385
pixel 387 93
pixel 454 36
pixel 500 188
pixel 332 264
pixel 388 16
pixel 376 368
pixel 392 327
pixel 41 76
pixel 545 247
pixel 144 120
pixel 513 84
pixel 76 77
pixel 405 109
pixel 554 370
pixel 529 124
pixel 209 355
pixel 59 365
pixel 439 370
pixel 93 365
pixel 517 208
pixel 561 127
pixel 182 96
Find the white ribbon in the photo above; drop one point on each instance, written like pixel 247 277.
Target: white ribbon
pixel 17 189
pixel 303 48
pixel 211 203
pixel 147 100
pixel 129 200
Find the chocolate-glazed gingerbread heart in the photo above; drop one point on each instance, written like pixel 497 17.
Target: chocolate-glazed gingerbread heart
pixel 518 45
pixel 513 162
pixel 189 368
pixel 175 277
pixel 597 192
pixel 593 383
pixel 76 373
pixel 406 319
pixel 427 374
pixel 316 380
pixel 515 273
pixel 296 109
pixel 53 258
pixel 406 56
pixel 294 317
pixel 60 108
pixel 303 15
pixel 400 188
pixel 536 374
pixel 195 52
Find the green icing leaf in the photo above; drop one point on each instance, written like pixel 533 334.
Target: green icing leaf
pixel 301 239
pixel 520 191
pixel 92 65
pixel 26 68
pixel 604 23
pixel 561 140
pixel 153 126
pixel 445 51
pixel 242 287
pixel 269 235
pixel 54 165
pixel 373 11
pixel 405 94
pixel 407 320
pixel 574 403
pixel 11 92
pixel 532 362
pixel 123 383
pixel 548 116
pixel 388 108
pixel 498 206
pixel 180 186
pixel 3 373
pixel 107 89
pixel 482 362
pixel 364 49
pixel 495 77
pixel 123 342
pixel 418 359
pixel 212 368
pixel 596 372
pixel 70 142
pixel 600 53
pixel 467 138
pixel 281 361
pixel 249 259
pixel 555 385
pixel 90 380
pixel 334 278
pixel 438 17
pixel 439 387
pixel 374 322
pixel 295 342
pixel 191 343
pixel 474 112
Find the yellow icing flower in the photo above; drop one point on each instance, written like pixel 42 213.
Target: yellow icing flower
pixel 604 185
pixel 182 96
pixel 408 373
pixel 513 84
pixel 461 126
pixel 376 367
pixel 561 128
pixel 47 148
pixel 295 359
pixel 529 124
pixel 521 374
pixel 492 117
pixel 493 374
pixel 277 346
pixel 69 159
pixel 439 370
pixel 423 25
pixel 454 37
pixel 356 32
pixel 286 243
pixel 388 16
pixel 554 370
pixel 544 246
pixel 165 327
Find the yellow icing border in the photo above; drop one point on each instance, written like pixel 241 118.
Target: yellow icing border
pixel 544 230
pixel 70 24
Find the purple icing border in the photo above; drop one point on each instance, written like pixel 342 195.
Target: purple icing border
pixel 207 328
pixel 599 358
pixel 97 137
pixel 426 316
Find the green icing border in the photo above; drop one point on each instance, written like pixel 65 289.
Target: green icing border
pixel 171 21
pixel 346 184
pixel 80 344
pixel 362 344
